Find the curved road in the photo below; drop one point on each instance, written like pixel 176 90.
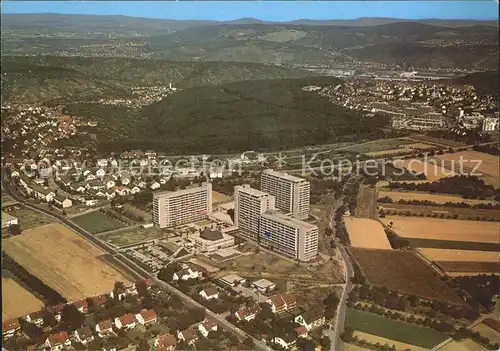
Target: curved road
pixel 334 334
pixel 133 268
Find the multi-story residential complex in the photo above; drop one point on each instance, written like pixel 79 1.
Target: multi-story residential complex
pixel 288 236
pixel 249 204
pixel 172 208
pixel 292 193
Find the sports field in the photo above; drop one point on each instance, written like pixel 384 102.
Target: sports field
pixel 367 233
pixel 17 301
pixel 379 145
pixel 403 332
pixel 131 235
pixel 97 222
pixel 444 229
pixel 63 260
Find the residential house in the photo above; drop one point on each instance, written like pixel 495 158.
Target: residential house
pixel 285 341
pixel 10 328
pixel 186 274
pixel 62 201
pixel 207 326
pixel 45 194
pixel 150 153
pixel 56 310
pixel 100 173
pixel 96 185
pixel 188 335
pixel 301 332
pixel 247 313
pixel 155 185
pixel 210 293
pixel 90 177
pixel 84 335
pixel 58 341
pixel 35 318
pixel 102 162
pixel 110 194
pixel 104 328
pixel 121 190
pixel 282 303
pixel 91 202
pixel 81 305
pixel 125 180
pixel 135 190
pixel 146 317
pixel 99 300
pixel 65 180
pixel 110 183
pixel 312 318
pixel 165 342
pixel 142 184
pixel 78 187
pixel 127 321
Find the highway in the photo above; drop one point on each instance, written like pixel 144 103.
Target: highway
pixel 334 334
pixel 133 268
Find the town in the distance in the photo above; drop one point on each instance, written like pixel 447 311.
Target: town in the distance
pixel 248 184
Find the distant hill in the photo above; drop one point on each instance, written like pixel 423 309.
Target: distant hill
pixel 487 83
pixel 380 40
pixel 42 78
pixel 233 117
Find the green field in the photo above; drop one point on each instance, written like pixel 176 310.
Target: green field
pixel 453 245
pixel 378 145
pixel 28 218
pixel 131 236
pixel 395 330
pixel 97 222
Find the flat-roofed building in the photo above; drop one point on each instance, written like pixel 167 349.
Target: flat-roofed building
pixel 212 240
pixel 263 285
pixel 289 236
pixel 172 208
pixel 232 280
pixel 292 193
pixel 249 205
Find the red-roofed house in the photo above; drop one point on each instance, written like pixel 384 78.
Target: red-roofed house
pixel 281 303
pixel 58 341
pixel 126 321
pixel 301 331
pixel 10 328
pixel 207 326
pixel 146 317
pixel 99 300
pixel 165 342
pixel 104 328
pixel 82 305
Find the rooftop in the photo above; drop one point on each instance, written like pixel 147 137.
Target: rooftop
pixel 251 191
pixel 284 176
pixel 286 220
pixel 263 283
pixel 166 193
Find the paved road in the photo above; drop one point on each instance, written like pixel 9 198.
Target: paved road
pixel 136 270
pixel 334 334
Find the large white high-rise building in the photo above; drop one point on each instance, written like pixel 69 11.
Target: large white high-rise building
pixel 172 208
pixel 249 204
pixel 292 193
pixel 288 236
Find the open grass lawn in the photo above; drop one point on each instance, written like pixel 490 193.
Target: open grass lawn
pixel 131 236
pixel 29 218
pixel 395 330
pixel 97 222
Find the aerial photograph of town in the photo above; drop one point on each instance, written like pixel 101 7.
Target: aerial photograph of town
pixel 257 175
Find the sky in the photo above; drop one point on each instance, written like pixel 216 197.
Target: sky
pixel 266 10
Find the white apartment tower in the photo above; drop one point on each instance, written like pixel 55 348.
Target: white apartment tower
pixel 288 236
pixel 292 193
pixel 249 204
pixel 172 208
